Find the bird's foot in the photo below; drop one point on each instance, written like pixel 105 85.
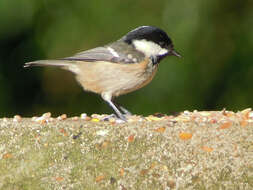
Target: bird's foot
pixel 114 116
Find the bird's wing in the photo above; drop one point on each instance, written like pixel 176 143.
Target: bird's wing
pixel 100 54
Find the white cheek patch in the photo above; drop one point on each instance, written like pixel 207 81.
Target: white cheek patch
pixel 149 48
pixel 113 52
pixel 163 51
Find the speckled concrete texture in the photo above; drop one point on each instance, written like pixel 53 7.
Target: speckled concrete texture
pixel 194 150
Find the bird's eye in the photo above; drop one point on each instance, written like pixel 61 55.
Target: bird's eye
pixel 161 44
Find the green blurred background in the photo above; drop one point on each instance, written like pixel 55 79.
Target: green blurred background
pixel 215 38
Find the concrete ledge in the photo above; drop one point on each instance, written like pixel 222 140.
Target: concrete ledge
pixel 195 150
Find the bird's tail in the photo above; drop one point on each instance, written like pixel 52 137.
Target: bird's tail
pixel 68 65
pixel 57 63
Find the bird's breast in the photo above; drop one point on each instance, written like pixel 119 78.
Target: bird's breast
pixel 138 76
pixel 115 78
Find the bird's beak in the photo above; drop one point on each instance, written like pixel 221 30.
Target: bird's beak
pixel 173 52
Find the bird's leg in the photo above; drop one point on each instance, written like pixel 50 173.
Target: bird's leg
pixel 107 98
pixel 124 110
pixel 118 113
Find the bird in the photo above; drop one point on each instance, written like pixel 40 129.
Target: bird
pixel 120 67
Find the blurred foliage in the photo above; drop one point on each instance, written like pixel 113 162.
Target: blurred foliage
pixel 215 38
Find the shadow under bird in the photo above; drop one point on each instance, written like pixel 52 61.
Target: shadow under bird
pixel 119 67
